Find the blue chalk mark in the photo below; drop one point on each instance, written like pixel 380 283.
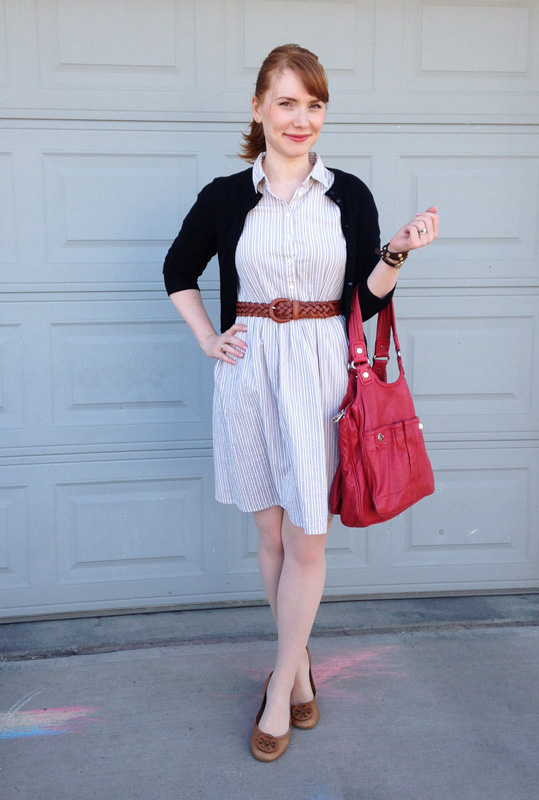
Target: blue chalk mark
pixel 31 732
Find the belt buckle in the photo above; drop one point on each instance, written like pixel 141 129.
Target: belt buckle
pixel 272 309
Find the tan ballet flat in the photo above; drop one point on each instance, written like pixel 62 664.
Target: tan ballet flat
pixel 264 746
pixel 306 715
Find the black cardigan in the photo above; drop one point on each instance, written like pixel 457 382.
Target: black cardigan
pixel 215 222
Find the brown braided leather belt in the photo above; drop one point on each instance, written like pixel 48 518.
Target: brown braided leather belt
pixel 284 310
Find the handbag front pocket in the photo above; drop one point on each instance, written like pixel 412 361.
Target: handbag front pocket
pixel 390 453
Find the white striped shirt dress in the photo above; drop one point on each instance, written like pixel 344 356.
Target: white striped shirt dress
pixel 274 440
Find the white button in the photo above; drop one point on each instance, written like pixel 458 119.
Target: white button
pixel 365 374
pixel 359 350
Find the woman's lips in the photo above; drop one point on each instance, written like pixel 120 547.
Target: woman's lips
pixel 297 138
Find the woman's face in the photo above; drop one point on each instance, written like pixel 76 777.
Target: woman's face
pixel 291 117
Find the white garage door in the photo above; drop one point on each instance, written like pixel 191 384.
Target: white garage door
pixel 115 114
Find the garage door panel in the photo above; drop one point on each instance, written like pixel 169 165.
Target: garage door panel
pixel 104 205
pixel 346 549
pixel 131 44
pixel 457 344
pixel 112 208
pixel 494 58
pixel 495 45
pixel 463 360
pixel 123 373
pixel 14 538
pixel 242 545
pixel 343 37
pixel 132 531
pixel 121 376
pixel 477 530
pixel 12 413
pixel 502 47
pixel 488 204
pixel 3 46
pixel 108 530
pixel 8 235
pixel 471 517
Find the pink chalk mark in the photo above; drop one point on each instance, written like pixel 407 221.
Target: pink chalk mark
pixel 328 672
pixel 332 672
pixel 62 719
pixel 62 711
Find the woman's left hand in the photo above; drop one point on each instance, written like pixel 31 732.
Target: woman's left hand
pixel 422 230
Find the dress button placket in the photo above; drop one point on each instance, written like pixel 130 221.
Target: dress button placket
pixel 289 250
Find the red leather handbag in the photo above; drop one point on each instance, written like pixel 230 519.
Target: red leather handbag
pixel 383 466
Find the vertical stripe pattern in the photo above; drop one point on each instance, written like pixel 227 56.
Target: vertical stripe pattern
pixel 274 441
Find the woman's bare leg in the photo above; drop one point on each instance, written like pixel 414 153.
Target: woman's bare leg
pixel 270 553
pixel 270 562
pixel 298 593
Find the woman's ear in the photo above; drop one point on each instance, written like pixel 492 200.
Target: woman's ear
pixel 254 106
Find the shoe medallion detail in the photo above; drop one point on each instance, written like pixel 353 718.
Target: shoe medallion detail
pixel 266 743
pixel 302 712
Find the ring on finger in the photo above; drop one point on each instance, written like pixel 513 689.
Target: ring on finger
pixel 222 348
pixel 422 231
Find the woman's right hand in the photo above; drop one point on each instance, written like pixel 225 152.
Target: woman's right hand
pixel 226 346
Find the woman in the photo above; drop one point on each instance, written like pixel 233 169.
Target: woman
pixel 285 228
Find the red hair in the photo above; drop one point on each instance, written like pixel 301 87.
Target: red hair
pixel 309 69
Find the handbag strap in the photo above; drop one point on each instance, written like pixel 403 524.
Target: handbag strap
pixel 386 326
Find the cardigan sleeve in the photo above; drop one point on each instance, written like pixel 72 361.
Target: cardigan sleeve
pixel 194 246
pixel 368 241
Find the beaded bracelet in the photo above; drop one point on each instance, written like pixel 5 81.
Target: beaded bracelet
pixel 385 255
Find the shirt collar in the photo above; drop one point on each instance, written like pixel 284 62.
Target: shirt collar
pixel 318 173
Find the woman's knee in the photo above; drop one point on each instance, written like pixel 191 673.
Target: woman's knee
pixel 307 550
pixel 269 528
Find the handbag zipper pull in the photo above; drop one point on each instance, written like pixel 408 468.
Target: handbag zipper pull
pixel 340 415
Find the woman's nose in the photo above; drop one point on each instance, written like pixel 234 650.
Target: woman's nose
pixel 300 119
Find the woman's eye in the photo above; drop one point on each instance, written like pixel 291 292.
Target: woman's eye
pixel 284 103
pixel 316 106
